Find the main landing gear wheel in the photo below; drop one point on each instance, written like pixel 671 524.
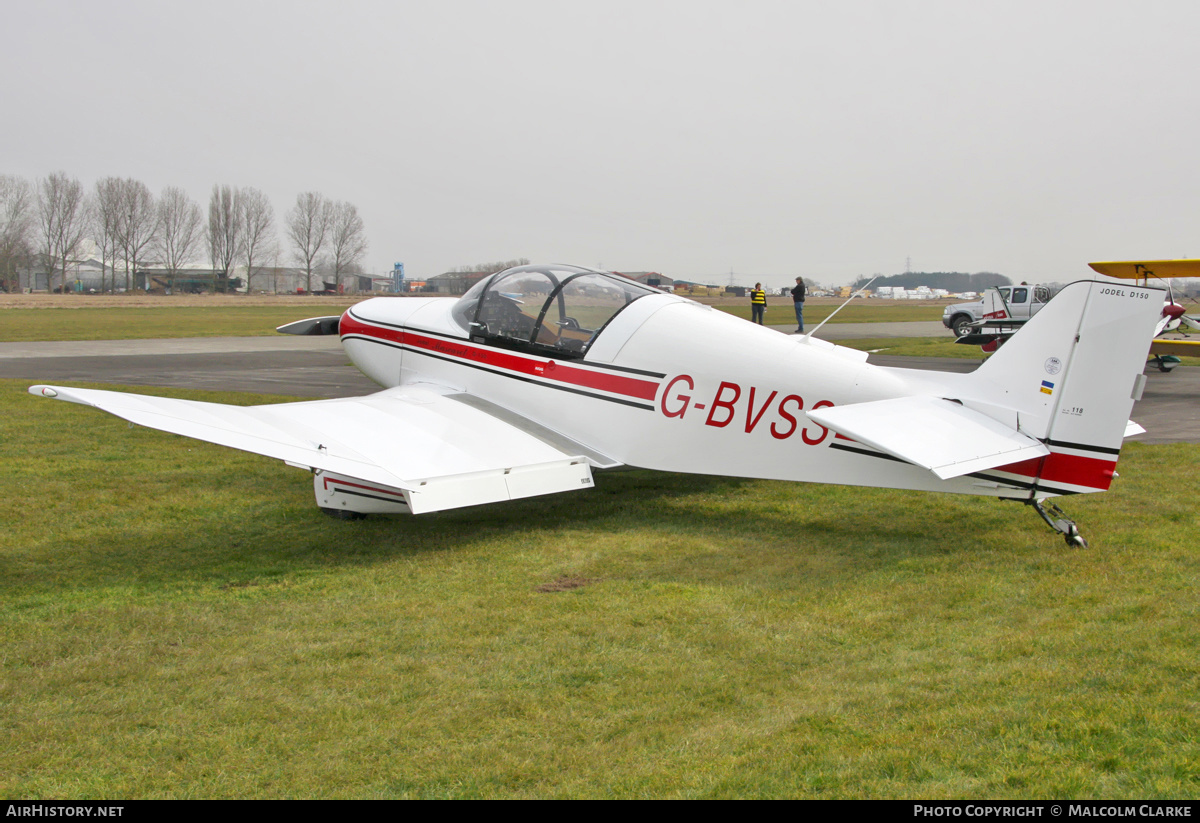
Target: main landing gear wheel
pixel 1060 523
pixel 1165 362
pixel 343 514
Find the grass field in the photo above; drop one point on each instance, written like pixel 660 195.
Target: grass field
pixel 860 311
pixel 916 347
pixel 936 347
pixel 162 319
pixel 140 323
pixel 180 621
pixel 145 323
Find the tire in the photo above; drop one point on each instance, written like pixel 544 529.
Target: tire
pixel 343 514
pixel 961 325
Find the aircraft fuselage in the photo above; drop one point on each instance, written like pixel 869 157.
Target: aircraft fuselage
pixel 676 386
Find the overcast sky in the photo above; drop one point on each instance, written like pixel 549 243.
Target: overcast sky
pixel 773 139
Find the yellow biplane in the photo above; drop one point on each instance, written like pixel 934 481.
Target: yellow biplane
pixel 1165 351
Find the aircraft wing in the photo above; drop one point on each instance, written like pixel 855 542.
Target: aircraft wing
pixel 1180 348
pixel 940 435
pixel 442 449
pixel 1138 269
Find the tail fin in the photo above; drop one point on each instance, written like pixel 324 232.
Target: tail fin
pixel 995 306
pixel 1072 374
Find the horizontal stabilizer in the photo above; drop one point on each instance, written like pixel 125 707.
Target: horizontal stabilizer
pixel 313 325
pixel 443 453
pixel 940 435
pixel 979 338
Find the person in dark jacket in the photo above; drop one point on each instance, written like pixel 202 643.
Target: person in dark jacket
pixel 798 302
pixel 758 304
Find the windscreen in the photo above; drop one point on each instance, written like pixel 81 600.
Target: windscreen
pixel 556 310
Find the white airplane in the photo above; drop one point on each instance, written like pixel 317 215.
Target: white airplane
pixel 541 374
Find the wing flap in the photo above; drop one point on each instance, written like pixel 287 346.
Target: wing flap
pixel 442 452
pixel 940 435
pixel 453 492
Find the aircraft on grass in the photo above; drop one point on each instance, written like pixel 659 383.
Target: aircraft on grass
pixel 999 323
pixel 540 375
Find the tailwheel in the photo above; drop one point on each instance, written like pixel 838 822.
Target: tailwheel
pixel 1074 538
pixel 1057 519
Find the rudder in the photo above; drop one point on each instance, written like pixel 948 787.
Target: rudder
pixel 1072 374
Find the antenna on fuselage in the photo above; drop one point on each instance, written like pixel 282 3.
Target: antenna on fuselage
pixel 839 308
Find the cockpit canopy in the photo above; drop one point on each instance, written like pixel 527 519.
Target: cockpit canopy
pixel 549 310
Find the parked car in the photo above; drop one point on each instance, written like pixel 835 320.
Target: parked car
pixel 1021 302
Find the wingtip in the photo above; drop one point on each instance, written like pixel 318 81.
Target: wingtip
pixel 61 393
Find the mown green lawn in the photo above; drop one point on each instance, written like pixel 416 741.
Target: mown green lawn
pixel 178 620
pixel 26 325
pixel 780 312
pixel 916 347
pixel 117 323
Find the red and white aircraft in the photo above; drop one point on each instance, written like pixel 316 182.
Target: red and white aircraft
pixel 541 374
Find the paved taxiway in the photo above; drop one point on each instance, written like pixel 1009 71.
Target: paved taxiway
pixel 317 367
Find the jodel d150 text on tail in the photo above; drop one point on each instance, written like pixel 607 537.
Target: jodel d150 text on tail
pixel 540 375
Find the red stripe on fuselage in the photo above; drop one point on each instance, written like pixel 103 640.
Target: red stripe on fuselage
pixel 337 482
pixel 1056 467
pixel 545 369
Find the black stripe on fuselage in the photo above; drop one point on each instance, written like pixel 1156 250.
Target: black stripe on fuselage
pixel 991 478
pixel 866 452
pixel 1062 444
pixel 417 350
pixel 469 342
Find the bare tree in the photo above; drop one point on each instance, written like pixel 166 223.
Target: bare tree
pixel 106 217
pixel 492 268
pixel 224 232
pixel 308 227
pixel 137 225
pixel 347 240
pixel 181 229
pixel 16 228
pixel 257 219
pixel 62 221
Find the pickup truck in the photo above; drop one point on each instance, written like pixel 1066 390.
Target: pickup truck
pixel 1022 303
